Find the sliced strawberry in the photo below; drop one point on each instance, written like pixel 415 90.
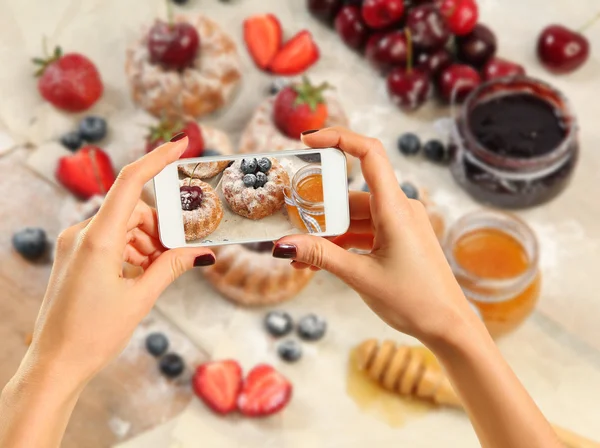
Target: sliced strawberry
pixel 300 107
pixel 86 173
pixel 265 392
pixel 218 384
pixel 263 35
pixel 296 56
pixel 166 130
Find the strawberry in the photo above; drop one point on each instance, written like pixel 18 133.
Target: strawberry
pixel 296 56
pixel 165 130
pixel 218 384
pixel 264 392
pixel 300 107
pixel 86 173
pixel 263 35
pixel 69 82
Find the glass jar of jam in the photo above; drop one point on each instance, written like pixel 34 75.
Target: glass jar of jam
pixel 514 144
pixel 304 199
pixel 494 257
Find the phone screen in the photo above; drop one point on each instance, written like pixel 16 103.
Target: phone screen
pixel 252 198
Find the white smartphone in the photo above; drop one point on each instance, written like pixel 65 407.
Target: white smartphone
pixel 246 198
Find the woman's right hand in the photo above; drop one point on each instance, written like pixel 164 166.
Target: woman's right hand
pixel 405 278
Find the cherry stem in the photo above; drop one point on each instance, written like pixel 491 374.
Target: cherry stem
pixel 589 23
pixel 170 14
pixel 193 172
pixel 409 51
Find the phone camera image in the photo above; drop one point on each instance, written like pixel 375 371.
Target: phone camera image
pixel 252 198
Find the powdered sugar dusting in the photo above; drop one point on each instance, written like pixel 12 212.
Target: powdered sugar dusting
pixel 198 90
pixel 205 219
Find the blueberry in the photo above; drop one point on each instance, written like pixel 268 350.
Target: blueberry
pixel 264 165
pixel 410 190
pixel 31 243
pixel 72 141
pixel 171 365
pixel 290 350
pixel 92 128
pixel 278 85
pixel 365 187
pixel 409 144
pixel 157 344
pixel 249 166
pixel 249 180
pixel 311 327
pixel 435 151
pixel 210 152
pixel 278 323
pixel 261 180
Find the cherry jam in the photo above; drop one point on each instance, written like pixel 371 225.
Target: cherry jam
pixel 515 143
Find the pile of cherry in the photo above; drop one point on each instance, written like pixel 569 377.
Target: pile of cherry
pixel 437 45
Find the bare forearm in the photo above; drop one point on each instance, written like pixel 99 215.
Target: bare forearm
pixel 35 407
pixel 501 411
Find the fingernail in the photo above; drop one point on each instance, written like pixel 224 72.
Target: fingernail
pixel 177 137
pixel 310 131
pixel 284 251
pixel 204 260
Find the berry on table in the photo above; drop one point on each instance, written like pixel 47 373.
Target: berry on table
pixel 409 144
pixel 263 36
pixel 86 173
pixel 387 50
pixel 408 88
pixel 218 384
pixel 562 50
pixel 71 140
pixel 324 10
pixel 382 13
pixel 249 166
pixel 261 180
pixel 461 15
pixel 350 26
pixel 457 81
pixel 410 190
pixel 92 128
pixel 434 63
pixel 264 165
pixel 157 344
pixel 30 242
pixel 70 82
pixel 264 392
pixel 278 323
pixel 171 365
pixel 290 350
pixel 477 47
pixel 500 68
pixel 435 151
pixel 311 327
pixel 427 27
pixel 296 56
pixel 249 180
pixel 173 45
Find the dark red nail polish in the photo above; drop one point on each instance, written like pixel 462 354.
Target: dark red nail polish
pixel 284 251
pixel 177 137
pixel 310 131
pixel 204 260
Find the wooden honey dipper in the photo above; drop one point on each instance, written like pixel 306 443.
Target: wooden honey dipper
pixel 414 371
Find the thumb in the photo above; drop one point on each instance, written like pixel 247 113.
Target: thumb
pixel 322 253
pixel 170 266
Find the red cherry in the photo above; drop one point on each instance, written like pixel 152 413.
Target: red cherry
pixel 324 10
pixel 562 50
pixel 435 62
pixel 387 50
pixel 427 27
pixel 461 15
pixel 351 28
pixel 382 13
pixel 174 46
pixel 408 88
pixel 457 81
pixel 500 68
pixel 477 47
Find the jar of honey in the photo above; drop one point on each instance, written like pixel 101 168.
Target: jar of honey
pixel 494 257
pixel 304 199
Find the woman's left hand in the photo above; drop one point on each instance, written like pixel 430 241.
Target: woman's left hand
pixel 90 309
